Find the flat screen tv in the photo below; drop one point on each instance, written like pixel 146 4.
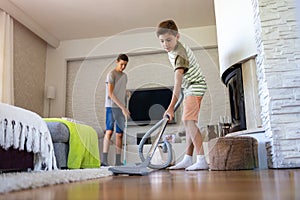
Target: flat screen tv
pixel 148 105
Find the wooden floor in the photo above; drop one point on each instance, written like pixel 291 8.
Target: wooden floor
pixel 179 184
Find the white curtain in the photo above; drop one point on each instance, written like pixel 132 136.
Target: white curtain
pixel 6 59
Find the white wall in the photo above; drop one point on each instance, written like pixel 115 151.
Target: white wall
pixel 128 42
pixel 235 32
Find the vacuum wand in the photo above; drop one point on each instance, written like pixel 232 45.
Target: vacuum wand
pixel 158 137
pixel 125 133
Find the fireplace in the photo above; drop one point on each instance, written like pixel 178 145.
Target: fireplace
pixel 234 82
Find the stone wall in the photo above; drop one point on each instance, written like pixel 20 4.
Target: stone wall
pixel 278 73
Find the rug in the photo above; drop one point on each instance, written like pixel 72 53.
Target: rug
pixel 29 180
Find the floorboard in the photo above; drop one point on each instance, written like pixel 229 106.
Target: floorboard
pixel 177 184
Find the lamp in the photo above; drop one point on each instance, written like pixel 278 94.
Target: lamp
pixel 50 96
pixel 51 92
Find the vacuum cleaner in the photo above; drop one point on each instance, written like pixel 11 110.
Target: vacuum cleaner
pixel 146 167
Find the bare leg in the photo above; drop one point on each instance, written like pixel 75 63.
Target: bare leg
pixel 119 137
pixel 194 134
pixel 187 159
pixel 189 145
pixel 106 141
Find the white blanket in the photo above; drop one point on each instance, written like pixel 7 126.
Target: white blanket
pixel 23 129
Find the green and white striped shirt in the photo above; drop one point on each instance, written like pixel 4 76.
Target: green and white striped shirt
pixel 193 83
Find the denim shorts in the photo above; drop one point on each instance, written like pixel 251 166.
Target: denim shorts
pixel 115 116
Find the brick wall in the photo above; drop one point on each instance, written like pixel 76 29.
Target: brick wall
pixel 278 73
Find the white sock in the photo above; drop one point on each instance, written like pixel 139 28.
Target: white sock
pixel 200 164
pixel 186 162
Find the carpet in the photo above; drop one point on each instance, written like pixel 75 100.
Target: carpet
pixel 29 180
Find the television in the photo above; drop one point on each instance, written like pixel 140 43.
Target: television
pixel 147 105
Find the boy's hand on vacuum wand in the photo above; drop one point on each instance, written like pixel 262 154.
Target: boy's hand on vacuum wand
pixel 169 112
pixel 126 113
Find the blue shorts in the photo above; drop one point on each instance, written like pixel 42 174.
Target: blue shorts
pixel 115 115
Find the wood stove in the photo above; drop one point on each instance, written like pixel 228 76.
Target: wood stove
pixel 234 82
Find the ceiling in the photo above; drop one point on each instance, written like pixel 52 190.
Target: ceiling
pixel 77 19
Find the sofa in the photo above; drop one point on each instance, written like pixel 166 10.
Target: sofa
pixel 75 143
pixel 60 137
pixel 25 141
pixel 19 160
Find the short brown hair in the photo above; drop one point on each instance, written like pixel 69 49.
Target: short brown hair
pixel 122 57
pixel 167 26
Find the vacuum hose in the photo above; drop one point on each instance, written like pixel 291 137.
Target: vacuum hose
pixel 167 147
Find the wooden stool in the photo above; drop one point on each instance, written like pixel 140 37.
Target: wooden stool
pixel 232 153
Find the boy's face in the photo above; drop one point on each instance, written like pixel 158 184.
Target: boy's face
pixel 121 65
pixel 168 41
